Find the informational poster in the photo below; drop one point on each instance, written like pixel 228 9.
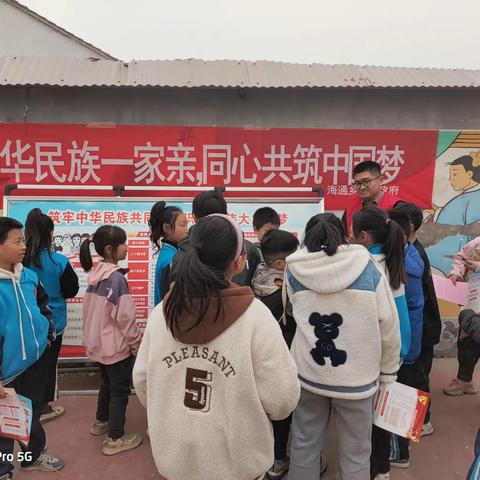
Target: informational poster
pixel 400 409
pixel 75 220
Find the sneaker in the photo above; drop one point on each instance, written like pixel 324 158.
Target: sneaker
pixel 400 462
pixel 459 387
pixel 383 476
pixel 128 442
pixel 323 464
pixel 427 429
pixel 53 412
pixel 98 428
pixel 45 463
pixel 279 469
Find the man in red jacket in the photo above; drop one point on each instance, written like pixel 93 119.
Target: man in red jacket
pixel 367 180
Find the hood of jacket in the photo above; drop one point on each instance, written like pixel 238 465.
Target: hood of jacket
pixel 102 271
pixel 328 274
pixel 414 265
pixel 15 275
pixel 235 301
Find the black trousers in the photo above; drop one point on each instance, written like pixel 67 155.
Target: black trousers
pixel 31 384
pixel 281 431
pixel 51 389
pixel 113 395
pixel 413 376
pixel 380 458
pixel 468 355
pixel 425 361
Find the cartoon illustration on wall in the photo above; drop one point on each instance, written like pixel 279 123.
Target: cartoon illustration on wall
pixel 68 244
pixel 453 219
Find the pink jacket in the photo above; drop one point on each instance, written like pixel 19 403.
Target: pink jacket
pixel 109 328
pixel 459 268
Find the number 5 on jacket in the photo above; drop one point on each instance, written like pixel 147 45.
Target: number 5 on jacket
pixel 197 392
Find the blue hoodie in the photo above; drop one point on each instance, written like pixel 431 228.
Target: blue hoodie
pixel 164 262
pixel 25 330
pixel 400 301
pixel 414 268
pixel 53 265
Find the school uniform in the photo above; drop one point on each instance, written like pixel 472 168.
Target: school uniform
pixel 162 270
pixel 24 335
pixel 60 282
pixel 381 439
pixel 411 372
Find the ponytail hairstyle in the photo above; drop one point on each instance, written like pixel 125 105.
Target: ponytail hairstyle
pixel 104 236
pixel 322 237
pixel 387 232
pixel 159 215
pixel 330 218
pixel 38 236
pixel 216 242
pixel 402 219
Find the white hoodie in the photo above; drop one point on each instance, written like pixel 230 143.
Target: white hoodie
pixel 348 335
pixel 211 392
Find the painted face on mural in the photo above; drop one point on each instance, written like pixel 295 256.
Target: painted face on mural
pixel 460 179
pixel 368 185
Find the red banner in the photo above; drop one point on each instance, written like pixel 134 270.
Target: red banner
pixel 193 157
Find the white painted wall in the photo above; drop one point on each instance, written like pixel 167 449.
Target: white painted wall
pixel 23 34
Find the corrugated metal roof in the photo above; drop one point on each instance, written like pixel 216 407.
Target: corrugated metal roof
pixel 74 72
pixel 56 27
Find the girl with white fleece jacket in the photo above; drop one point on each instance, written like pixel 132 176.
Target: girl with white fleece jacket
pixel 347 341
pixel 213 368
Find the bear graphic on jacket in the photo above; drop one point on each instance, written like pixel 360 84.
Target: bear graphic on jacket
pixel 326 330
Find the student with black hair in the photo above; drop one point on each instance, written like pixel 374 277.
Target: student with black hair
pixel 110 334
pixel 60 282
pixel 411 372
pixel 168 227
pixel 330 218
pixel 264 220
pixel 208 203
pixel 209 372
pixel 347 341
pixel 25 333
pixel 267 285
pixel 368 182
pixel 432 321
pixel 372 228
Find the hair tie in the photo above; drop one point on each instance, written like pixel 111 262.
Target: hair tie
pixel 237 229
